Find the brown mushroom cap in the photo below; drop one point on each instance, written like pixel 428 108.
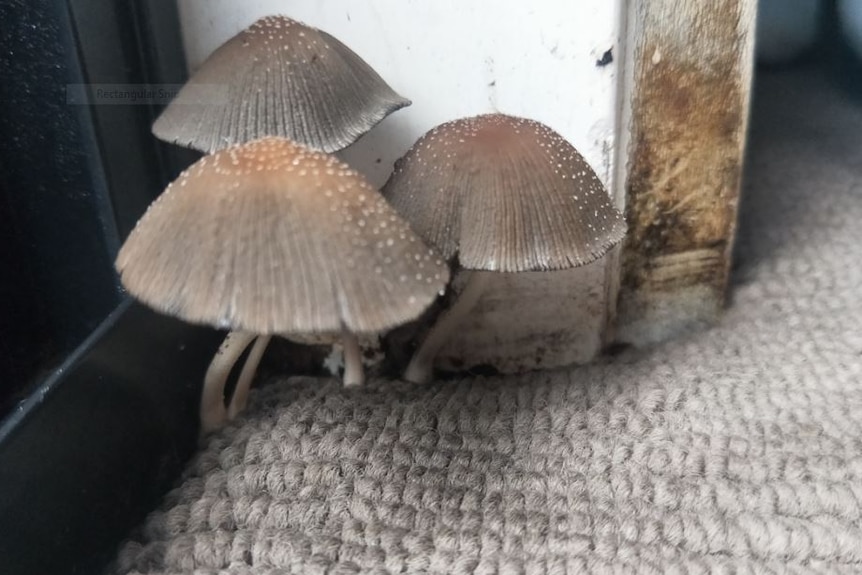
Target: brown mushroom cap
pixel 282 78
pixel 272 237
pixel 506 194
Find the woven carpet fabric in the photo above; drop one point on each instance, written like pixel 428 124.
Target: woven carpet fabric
pixel 732 450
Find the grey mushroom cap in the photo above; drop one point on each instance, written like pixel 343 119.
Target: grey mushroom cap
pixel 271 237
pixel 278 77
pixel 505 194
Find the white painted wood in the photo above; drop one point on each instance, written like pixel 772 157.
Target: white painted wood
pixel 531 321
pixel 455 58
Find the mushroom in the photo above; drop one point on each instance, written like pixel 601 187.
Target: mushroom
pixel 278 77
pixel 271 237
pixel 505 194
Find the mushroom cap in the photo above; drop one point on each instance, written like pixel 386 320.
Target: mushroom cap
pixel 275 238
pixel 280 78
pixel 506 194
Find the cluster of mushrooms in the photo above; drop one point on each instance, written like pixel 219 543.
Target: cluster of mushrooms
pixel 270 234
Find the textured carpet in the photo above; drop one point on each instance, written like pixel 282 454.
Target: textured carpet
pixel 735 450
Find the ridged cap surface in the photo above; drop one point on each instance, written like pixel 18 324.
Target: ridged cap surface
pixel 506 194
pixel 278 77
pixel 273 237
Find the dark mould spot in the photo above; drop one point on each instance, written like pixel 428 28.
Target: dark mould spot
pixel 484 370
pixel 606 58
pixel 378 160
pixel 492 84
pixel 660 231
pixel 617 348
pixel 540 355
pixel 447 375
pixel 459 371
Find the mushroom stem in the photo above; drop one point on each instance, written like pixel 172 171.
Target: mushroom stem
pixel 213 413
pixel 240 394
pixel 421 367
pixel 354 374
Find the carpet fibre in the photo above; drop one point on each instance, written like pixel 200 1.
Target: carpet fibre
pixel 734 450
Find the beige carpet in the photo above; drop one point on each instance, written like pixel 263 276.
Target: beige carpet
pixel 737 450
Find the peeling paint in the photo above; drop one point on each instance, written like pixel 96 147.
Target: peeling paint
pixel 606 59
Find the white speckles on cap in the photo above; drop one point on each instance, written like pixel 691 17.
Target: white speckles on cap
pixel 254 239
pixel 326 98
pixel 504 193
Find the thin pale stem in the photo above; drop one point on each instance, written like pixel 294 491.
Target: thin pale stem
pixel 243 385
pixel 213 413
pixel 421 367
pixel 354 373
